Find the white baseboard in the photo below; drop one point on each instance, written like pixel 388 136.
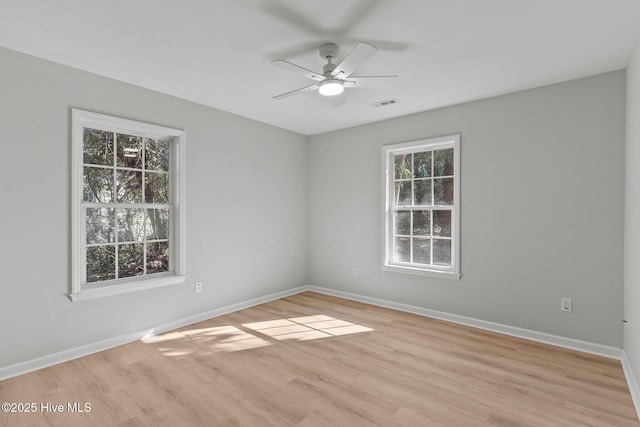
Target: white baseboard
pixel 570 343
pixel 631 382
pixel 84 350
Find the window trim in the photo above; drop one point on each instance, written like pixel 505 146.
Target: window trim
pixel 390 150
pixel 80 291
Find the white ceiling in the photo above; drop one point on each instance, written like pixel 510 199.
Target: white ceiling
pixel 218 52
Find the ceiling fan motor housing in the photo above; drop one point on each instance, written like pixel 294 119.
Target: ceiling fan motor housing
pixel 327 69
pixel 329 50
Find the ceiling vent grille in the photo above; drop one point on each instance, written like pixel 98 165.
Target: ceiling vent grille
pixel 385 103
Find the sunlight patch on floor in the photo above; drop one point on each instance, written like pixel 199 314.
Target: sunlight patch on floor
pixel 249 336
pixel 214 339
pixel 306 328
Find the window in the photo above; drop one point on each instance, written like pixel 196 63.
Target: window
pixel 127 205
pixel 422 207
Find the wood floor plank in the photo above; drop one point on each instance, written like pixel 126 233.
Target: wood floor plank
pixel 312 360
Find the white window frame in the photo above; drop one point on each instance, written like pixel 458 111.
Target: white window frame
pixel 388 173
pixel 79 289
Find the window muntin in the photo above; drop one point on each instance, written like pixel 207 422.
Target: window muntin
pixel 127 205
pixel 422 206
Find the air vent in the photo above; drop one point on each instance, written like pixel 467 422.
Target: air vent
pixel 385 103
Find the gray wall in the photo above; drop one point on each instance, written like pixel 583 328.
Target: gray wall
pixel 632 216
pixel 246 209
pixel 542 209
pixel 269 210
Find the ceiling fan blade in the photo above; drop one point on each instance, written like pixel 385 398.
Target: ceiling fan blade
pixel 371 77
pixel 295 92
pixel 337 100
pixel 287 15
pixel 298 69
pixel 388 45
pixel 295 49
pixel 371 81
pixel 336 28
pixel 358 56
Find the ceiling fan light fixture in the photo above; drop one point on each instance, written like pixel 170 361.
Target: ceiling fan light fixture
pixel 331 87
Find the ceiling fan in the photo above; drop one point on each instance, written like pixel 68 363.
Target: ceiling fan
pixel 334 78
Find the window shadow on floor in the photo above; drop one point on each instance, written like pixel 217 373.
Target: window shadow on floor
pixel 247 336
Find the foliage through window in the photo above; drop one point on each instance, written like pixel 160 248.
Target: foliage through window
pixel 421 206
pixel 126 219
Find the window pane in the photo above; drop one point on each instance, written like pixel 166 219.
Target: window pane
pixel 97 185
pixel 157 224
pixel 422 251
pixel 423 192
pixel 130 260
pixel 129 153
pixel 443 162
pixel 402 249
pixel 403 166
pixel 100 225
pixel 402 223
pixel 403 193
pixel 442 223
pixel 129 186
pixel 157 257
pixel 97 147
pixel 443 191
pixel 157 154
pixel 130 225
pixel 156 188
pixel 441 252
pixel 101 263
pixel 421 223
pixel 422 164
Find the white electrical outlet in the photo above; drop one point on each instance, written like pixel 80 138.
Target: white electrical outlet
pixel 198 287
pixel 355 272
pixel 566 304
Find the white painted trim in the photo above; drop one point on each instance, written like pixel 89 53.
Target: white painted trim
pixel 388 190
pixel 421 271
pixel 132 286
pixel 84 350
pixel 631 382
pixel 80 290
pixel 570 343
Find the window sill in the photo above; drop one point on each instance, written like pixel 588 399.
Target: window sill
pixel 125 288
pixel 422 272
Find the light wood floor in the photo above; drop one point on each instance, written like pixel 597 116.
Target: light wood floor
pixel 314 360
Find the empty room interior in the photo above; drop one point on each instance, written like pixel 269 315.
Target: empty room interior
pixel 336 213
